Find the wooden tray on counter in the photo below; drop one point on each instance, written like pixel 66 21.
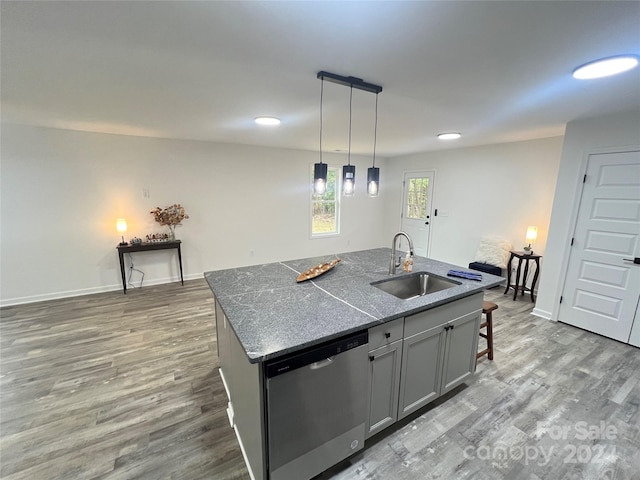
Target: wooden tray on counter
pixel 316 271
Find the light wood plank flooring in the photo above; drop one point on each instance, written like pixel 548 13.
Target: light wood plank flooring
pixel 110 386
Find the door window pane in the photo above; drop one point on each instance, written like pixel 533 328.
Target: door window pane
pixel 417 198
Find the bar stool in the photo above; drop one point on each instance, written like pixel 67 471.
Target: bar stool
pixel 487 308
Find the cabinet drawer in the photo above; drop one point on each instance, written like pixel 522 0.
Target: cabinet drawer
pixel 423 321
pixel 386 333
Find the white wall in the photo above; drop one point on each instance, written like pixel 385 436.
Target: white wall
pixel 63 190
pixel 582 137
pixel 489 190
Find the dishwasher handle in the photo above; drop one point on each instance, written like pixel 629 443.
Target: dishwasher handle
pixel 321 363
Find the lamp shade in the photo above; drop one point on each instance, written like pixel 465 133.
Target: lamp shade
pixel 532 234
pixel 348 180
pixel 373 181
pixel 121 225
pixel 319 178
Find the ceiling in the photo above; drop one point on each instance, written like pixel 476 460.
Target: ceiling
pixel 494 71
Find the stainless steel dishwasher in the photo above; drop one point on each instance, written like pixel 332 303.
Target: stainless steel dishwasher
pixel 316 407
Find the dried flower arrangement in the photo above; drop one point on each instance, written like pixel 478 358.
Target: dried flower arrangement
pixel 170 216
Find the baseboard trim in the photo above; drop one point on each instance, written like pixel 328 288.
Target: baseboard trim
pixel 87 291
pixel 541 313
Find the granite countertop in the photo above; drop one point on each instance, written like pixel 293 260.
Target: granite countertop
pixel 273 315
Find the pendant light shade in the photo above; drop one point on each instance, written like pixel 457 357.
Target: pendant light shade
pixel 373 181
pixel 349 171
pixel 319 178
pixel 348 180
pixel 373 173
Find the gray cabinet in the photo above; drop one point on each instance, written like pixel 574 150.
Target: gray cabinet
pixel 414 360
pixel 384 381
pixel 421 370
pixel 244 385
pixel 439 351
pixel 461 345
pixel 385 358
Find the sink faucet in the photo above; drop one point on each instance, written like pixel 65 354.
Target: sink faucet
pixel 393 264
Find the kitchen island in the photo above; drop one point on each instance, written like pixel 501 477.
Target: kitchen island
pixel 264 316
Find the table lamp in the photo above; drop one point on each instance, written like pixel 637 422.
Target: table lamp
pixel 532 235
pixel 121 227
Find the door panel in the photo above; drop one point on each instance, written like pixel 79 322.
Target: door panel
pixel 384 376
pixel 601 291
pixel 460 354
pixel 416 210
pixel 420 379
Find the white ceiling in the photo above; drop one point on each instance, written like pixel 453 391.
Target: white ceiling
pixel 495 71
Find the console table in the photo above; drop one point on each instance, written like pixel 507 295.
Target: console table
pixel 526 258
pixel 146 247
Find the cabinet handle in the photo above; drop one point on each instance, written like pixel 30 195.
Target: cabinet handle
pixel 447 328
pixel 387 334
pixel 371 358
pixel 452 326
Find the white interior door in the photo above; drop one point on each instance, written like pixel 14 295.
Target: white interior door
pixel 602 288
pixel 416 209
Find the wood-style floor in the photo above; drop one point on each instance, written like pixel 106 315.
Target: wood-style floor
pixel 110 386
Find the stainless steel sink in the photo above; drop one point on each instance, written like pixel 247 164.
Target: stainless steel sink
pixel 414 285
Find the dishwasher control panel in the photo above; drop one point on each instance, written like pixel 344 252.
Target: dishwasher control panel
pixel 317 353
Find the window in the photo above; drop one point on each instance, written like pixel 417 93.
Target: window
pixel 325 209
pixel 417 198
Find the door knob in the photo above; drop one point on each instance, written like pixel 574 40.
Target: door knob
pixel 426 223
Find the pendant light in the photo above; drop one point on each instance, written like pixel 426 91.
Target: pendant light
pixel 373 173
pixel 320 169
pixel 349 171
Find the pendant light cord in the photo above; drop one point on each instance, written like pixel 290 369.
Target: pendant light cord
pixel 350 112
pixel 375 133
pixel 321 95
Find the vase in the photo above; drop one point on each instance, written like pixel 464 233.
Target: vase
pixel 172 233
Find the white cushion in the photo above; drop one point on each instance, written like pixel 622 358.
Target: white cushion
pixel 494 251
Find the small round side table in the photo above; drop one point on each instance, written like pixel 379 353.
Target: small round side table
pixel 517 287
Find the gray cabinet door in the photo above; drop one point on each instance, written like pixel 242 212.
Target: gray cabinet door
pixel 384 384
pixel 421 370
pixel 461 345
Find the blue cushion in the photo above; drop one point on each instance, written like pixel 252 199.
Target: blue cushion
pixel 486 267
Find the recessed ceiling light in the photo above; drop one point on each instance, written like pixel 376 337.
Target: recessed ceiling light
pixel 605 67
pixel 267 121
pixel 449 136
